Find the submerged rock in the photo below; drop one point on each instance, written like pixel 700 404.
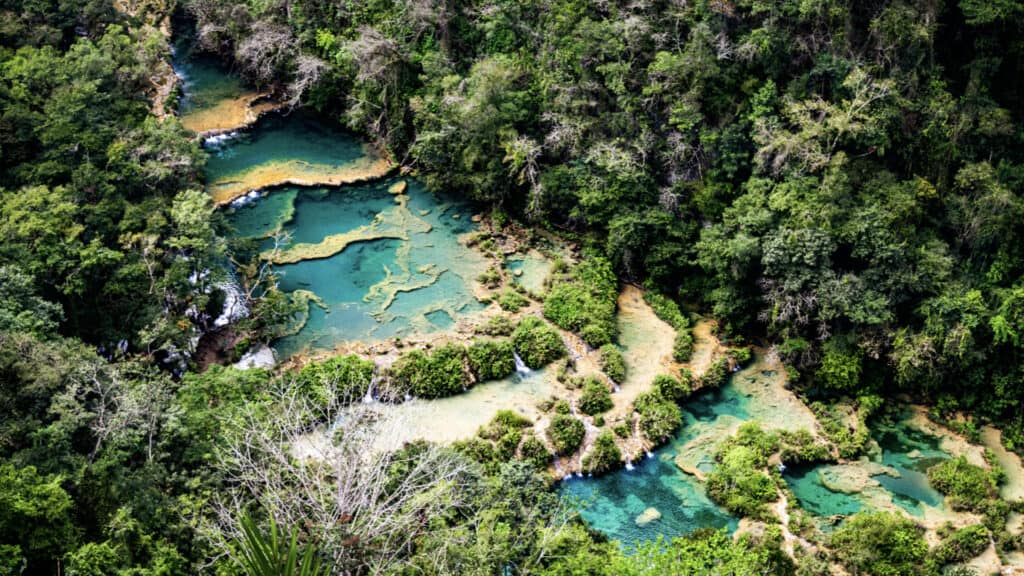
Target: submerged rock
pixel 855 477
pixel 647 516
pixel 398 187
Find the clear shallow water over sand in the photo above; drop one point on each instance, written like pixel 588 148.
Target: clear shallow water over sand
pixel 378 288
pixel 906 453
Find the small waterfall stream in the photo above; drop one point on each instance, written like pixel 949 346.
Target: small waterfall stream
pixel 521 366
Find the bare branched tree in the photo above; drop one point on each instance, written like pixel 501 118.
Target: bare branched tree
pixel 364 506
pixel 308 70
pixel 265 50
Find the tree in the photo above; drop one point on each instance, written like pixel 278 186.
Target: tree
pixel 880 543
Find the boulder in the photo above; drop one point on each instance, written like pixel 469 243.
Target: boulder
pixel 647 516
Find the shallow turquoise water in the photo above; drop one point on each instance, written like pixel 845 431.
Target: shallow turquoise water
pixel 815 497
pixel 205 81
pixel 299 136
pixel 905 448
pixel 613 501
pixel 344 281
pixel 911 489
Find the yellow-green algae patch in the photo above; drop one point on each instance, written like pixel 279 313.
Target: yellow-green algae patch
pixel 396 223
pixel 298 173
pixel 303 299
pixel 228 114
pixel 392 284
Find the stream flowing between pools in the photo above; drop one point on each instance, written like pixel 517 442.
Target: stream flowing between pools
pixel 385 258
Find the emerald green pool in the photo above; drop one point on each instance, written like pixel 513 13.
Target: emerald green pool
pixel 429 274
pixel 903 449
pixel 611 503
pixel 205 82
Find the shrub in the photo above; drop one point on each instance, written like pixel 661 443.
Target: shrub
pixel 502 422
pixel 479 450
pixel 491 278
pixel 585 301
pixel 660 420
pixel 562 407
pixel 738 484
pixel 621 430
pixel 742 356
pixel 511 301
pixel 595 398
pixel 346 376
pixel 799 447
pixel 645 400
pixel 566 433
pixel 497 326
pixel 671 389
pixel 612 363
pixel 966 485
pixel 534 452
pixel 682 346
pixel 666 309
pixel 537 343
pixel 440 374
pixel 880 543
pixel 840 365
pixel 491 360
pixel 604 456
pixel 961 546
pixel 717 373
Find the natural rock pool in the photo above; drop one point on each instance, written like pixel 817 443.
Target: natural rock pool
pixel 383 257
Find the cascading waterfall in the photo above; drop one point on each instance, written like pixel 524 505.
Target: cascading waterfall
pixel 521 366
pixel 368 398
pixel 235 307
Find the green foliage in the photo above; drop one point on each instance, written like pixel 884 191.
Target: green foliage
pixel 880 543
pixel 512 301
pixel 346 378
pixel 961 546
pixel 967 486
pixel 497 326
pixel 659 417
pixel 441 373
pixel 491 278
pixel 566 433
pixel 612 363
pixel 537 343
pixel 584 301
pixel 674 389
pixel 534 452
pixel 738 482
pixel 491 359
pixel 596 398
pixel 274 553
pixel 742 356
pixel 703 552
pixel 717 374
pixel 682 346
pixel 668 310
pixel 34 515
pixel 604 456
pixel 840 367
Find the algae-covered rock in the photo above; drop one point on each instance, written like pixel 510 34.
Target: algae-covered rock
pixel 398 187
pixel 855 477
pixel 647 516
